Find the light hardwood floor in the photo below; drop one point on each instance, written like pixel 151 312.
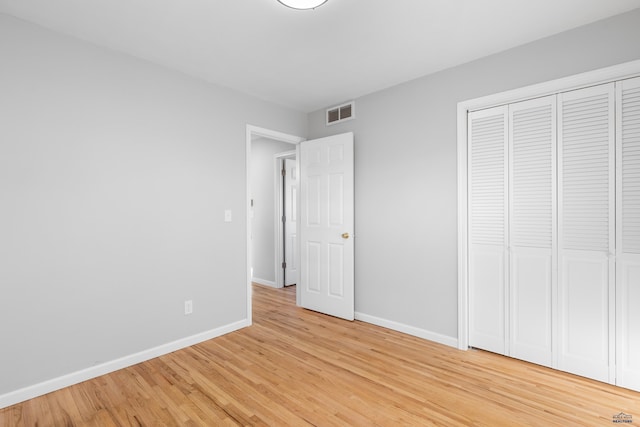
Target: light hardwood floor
pixel 294 367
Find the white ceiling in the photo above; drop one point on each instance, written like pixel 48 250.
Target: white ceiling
pixel 312 59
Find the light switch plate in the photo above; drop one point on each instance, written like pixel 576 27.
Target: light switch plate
pixel 227 215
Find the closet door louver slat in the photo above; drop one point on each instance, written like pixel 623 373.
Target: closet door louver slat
pixel 487 184
pixel 586 147
pixel 628 233
pixel 630 166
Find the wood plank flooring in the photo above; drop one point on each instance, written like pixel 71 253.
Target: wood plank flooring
pixel 295 367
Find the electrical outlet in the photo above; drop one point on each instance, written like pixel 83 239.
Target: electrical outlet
pixel 188 307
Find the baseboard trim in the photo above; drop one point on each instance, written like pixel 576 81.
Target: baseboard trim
pixel 406 329
pixel 54 384
pixel 264 282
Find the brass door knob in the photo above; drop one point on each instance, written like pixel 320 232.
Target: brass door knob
pixel 345 235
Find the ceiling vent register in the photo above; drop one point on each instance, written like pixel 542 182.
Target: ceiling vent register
pixel 340 113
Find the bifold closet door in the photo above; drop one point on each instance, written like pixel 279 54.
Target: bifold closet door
pixel 488 210
pixel 628 233
pixel 586 176
pixel 532 219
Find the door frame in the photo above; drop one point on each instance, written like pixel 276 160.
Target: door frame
pixel 578 81
pixel 279 212
pixel 253 131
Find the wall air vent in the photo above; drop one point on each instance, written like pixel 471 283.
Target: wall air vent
pixel 340 113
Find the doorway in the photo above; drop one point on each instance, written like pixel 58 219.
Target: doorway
pixel 285 220
pixel 264 143
pixel 326 224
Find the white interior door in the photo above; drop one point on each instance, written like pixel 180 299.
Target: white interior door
pixel 586 158
pixel 290 223
pixel 327 225
pixel 532 215
pixel 488 232
pixel 628 234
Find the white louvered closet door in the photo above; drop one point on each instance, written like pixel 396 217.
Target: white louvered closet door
pixel 532 214
pixel 488 265
pixel 628 233
pixel 586 158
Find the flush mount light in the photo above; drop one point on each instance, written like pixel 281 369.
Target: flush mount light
pixel 303 4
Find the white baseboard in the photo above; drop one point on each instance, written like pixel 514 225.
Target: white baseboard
pixel 265 282
pixel 410 330
pixel 54 384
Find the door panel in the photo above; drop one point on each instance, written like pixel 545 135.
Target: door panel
pixel 531 317
pixel 336 268
pixel 533 233
pixel 488 213
pixel 327 225
pixel 336 200
pixel 312 279
pixel 586 165
pixel 313 198
pixel 487 298
pixel 584 307
pixel 290 228
pixel 628 350
pixel 628 232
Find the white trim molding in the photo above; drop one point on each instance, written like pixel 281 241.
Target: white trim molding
pixel 407 329
pixel 54 384
pixel 590 78
pixel 263 282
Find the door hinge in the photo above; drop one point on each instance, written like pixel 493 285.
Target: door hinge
pixel 284 265
pixel 284 172
pixel 284 218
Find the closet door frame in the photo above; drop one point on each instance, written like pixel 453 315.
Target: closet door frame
pixel 591 78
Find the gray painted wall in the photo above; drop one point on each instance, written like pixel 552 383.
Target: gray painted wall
pixel 114 177
pixel 405 167
pixel 264 213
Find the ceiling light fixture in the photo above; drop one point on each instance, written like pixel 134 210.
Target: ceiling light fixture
pixel 302 4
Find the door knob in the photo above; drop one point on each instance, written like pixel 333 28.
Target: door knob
pixel 345 235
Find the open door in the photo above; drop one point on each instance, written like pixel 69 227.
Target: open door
pixel 327 226
pixel 290 219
